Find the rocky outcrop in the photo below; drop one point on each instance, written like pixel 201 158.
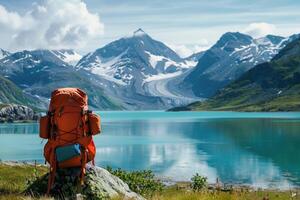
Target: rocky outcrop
pixel 98 184
pixel 14 112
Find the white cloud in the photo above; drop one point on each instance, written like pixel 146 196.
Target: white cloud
pixel 54 24
pixel 181 50
pixel 9 20
pixel 187 50
pixel 260 29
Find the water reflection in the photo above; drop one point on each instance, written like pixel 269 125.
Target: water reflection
pixel 248 151
pixel 261 152
pixel 18 128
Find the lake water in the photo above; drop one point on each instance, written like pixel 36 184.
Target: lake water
pixel 257 149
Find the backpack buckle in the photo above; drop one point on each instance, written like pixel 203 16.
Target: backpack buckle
pixel 84 112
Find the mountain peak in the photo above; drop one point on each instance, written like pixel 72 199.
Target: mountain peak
pixel 139 32
pixel 236 36
pixel 233 38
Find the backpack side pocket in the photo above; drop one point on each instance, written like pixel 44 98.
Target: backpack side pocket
pixel 45 127
pixel 94 123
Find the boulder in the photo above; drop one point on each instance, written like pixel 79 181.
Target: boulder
pixel 14 112
pixel 98 184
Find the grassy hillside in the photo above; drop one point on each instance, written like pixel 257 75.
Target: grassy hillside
pixel 10 93
pixel 271 86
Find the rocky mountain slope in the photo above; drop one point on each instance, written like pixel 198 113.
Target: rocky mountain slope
pixel 233 54
pixel 68 55
pixel 39 72
pixel 270 86
pixel 126 68
pixel 195 56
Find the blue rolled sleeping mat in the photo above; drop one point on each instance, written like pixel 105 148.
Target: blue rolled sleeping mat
pixel 67 152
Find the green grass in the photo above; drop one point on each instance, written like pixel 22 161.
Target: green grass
pixel 13 181
pixel 179 192
pixel 174 194
pixel 142 182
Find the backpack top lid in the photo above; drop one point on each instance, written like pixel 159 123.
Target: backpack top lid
pixel 68 97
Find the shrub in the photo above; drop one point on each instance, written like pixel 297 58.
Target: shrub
pixel 142 182
pixel 198 182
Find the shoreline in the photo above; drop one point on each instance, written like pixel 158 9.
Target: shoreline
pixel 237 114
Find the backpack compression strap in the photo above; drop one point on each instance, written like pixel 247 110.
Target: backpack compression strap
pixel 53 164
pixel 83 151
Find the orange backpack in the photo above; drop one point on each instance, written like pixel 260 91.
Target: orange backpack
pixel 69 122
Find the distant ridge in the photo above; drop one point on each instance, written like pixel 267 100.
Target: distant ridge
pixel 270 86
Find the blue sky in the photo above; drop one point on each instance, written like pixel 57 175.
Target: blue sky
pixel 186 26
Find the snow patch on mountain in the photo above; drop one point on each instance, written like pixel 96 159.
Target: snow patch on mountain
pixel 67 55
pixel 111 69
pixel 26 57
pixel 162 76
pixel 22 58
pixel 4 53
pixel 154 59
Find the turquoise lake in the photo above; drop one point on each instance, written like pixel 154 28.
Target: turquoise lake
pixel 257 149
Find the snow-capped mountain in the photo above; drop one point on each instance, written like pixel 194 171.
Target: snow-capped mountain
pixel 130 58
pixel 60 57
pixel 39 72
pixel 125 66
pixel 232 55
pixel 138 72
pixel 30 64
pixel 3 53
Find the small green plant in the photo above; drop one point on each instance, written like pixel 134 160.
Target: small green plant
pixel 198 182
pixel 35 175
pixel 142 182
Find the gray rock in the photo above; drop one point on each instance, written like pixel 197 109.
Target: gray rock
pixel 13 112
pixel 110 184
pixel 98 184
